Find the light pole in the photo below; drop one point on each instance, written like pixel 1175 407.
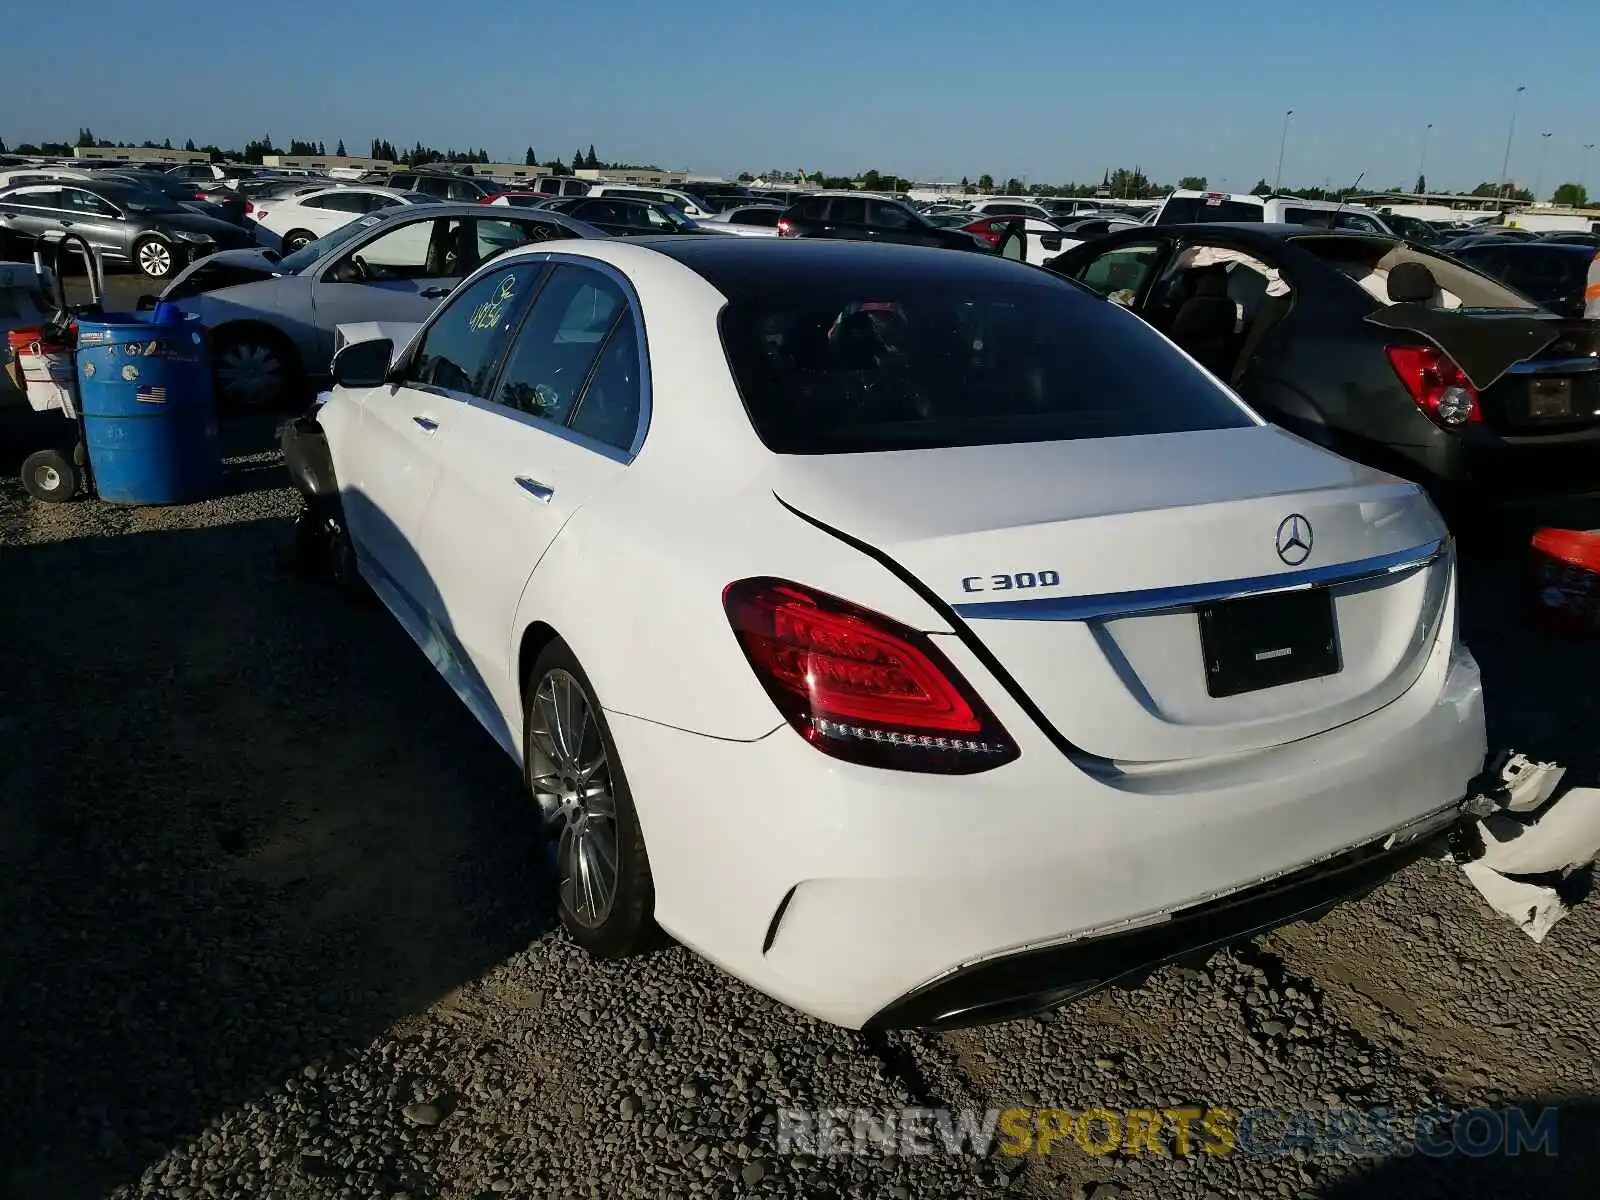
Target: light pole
pixel 1282 142
pixel 1538 180
pixel 1505 163
pixel 1583 174
pixel 1422 163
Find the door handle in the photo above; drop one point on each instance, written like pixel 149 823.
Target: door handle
pixel 428 424
pixel 434 293
pixel 535 489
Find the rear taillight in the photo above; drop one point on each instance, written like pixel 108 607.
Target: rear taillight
pixel 785 229
pixel 1437 386
pixel 249 207
pixel 984 230
pixel 861 686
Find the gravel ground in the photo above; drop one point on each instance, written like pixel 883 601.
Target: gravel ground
pixel 275 928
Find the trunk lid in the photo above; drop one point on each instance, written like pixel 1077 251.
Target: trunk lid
pixel 1556 391
pixel 1083 568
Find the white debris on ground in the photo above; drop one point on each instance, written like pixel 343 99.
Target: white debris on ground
pixel 1532 845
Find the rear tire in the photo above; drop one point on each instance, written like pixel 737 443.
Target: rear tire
pixel 604 890
pixel 49 475
pixel 297 239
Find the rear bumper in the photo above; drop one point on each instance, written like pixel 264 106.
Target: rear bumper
pixel 1037 980
pixel 1492 473
pixel 871 897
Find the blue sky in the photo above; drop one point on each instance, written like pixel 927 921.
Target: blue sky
pixel 933 89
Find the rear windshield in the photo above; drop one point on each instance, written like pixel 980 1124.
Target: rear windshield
pixel 841 367
pixel 1187 210
pixel 1368 261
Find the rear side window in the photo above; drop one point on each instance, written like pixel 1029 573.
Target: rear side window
pixel 815 209
pixel 765 217
pixel 878 363
pixel 1368 261
pixel 1188 210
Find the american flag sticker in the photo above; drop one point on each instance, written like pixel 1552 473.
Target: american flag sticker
pixel 151 395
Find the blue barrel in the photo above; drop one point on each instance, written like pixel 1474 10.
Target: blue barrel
pixel 144 380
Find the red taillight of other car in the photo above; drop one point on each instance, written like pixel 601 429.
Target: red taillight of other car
pixel 989 230
pixel 1438 387
pixel 491 198
pixel 861 686
pixel 785 229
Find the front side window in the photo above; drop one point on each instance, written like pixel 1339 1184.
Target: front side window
pixel 848 210
pixel 466 192
pixel 559 342
pixel 1121 274
pixel 880 363
pixel 890 216
pixel 414 250
pixel 86 202
pixel 496 237
pixel 459 350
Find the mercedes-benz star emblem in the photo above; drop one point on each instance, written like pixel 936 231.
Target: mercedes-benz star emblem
pixel 1294 540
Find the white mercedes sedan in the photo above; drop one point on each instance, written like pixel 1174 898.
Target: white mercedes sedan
pixel 916 635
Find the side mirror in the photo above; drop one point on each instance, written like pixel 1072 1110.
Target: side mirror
pixel 363 364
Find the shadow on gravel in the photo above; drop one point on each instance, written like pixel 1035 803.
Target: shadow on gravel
pixel 1570 1173
pixel 242 826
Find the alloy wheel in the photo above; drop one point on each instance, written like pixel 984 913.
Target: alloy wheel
pixel 155 259
pixel 572 785
pixel 250 374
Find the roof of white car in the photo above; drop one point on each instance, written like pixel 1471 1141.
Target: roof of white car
pixel 359 188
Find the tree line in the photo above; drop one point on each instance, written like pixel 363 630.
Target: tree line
pixel 1123 183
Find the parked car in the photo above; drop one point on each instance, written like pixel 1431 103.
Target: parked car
pixel 1569 237
pixel 519 199
pixel 682 201
pixel 1211 670
pixel 227 206
pixel 124 223
pixel 623 216
pixel 291 221
pixel 870 216
pixel 558 185
pixel 1186 206
pixel 1011 207
pixel 747 220
pixel 1384 351
pixel 1083 228
pixel 1552 274
pixel 1044 239
pixel 444 185
pixel 272 319
pixel 226 174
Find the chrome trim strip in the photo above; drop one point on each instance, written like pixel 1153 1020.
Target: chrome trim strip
pixel 1108 605
pixel 1555 366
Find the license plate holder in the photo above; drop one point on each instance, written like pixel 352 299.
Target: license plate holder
pixel 1550 399
pixel 1259 642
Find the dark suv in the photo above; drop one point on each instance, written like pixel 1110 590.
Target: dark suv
pixel 871 219
pixel 446 185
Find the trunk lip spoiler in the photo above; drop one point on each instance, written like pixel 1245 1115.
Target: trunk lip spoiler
pixel 1110 605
